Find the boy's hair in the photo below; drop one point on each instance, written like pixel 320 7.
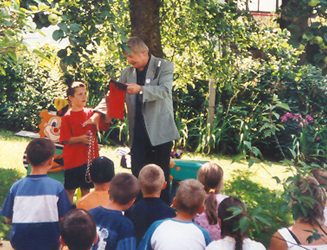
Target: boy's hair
pixel 39 150
pixel 151 179
pixel 71 88
pixel 189 196
pixel 102 170
pixel 136 45
pixel 78 230
pixel 211 175
pixel 230 223
pixel 124 187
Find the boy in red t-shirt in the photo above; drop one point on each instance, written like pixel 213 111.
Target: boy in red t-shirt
pixel 76 140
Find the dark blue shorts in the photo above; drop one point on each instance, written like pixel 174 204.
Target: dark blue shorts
pixel 75 178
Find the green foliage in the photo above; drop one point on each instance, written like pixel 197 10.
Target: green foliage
pixel 13 22
pixel 267 210
pixel 117 133
pixel 309 31
pixel 91 26
pixel 7 178
pixel 29 85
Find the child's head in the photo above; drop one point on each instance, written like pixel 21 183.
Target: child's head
pixel 211 176
pixel 78 230
pixel 40 152
pixel 124 189
pixel 77 94
pixel 102 170
pixel 189 197
pixel 321 176
pixel 308 199
pixel 151 179
pixel 230 222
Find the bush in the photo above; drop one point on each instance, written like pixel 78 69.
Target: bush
pixel 7 178
pixel 267 209
pixel 28 86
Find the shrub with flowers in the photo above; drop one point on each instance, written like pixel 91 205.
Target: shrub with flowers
pixel 307 136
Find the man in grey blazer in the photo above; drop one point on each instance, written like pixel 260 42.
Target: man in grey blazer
pixel 149 108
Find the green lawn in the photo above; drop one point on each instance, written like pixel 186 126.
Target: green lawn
pixel 12 148
pixel 255 185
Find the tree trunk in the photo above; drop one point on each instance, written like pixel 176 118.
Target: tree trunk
pixel 212 101
pixel 145 22
pixel 294 17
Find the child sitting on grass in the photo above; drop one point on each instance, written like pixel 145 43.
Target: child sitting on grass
pixel 180 232
pixel 101 172
pixel 116 231
pixel 77 230
pixel 149 208
pixel 233 237
pixel 211 176
pixel 35 203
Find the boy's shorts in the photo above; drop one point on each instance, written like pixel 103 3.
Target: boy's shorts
pixel 75 178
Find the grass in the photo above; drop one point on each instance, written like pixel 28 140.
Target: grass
pixel 12 148
pixel 255 185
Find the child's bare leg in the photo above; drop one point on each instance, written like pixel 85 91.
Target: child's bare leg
pixel 70 193
pixel 85 191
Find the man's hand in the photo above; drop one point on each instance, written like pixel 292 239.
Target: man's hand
pixel 133 88
pixel 93 120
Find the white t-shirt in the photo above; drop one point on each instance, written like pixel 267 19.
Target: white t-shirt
pixel 325 215
pixel 173 234
pixel 293 245
pixel 228 243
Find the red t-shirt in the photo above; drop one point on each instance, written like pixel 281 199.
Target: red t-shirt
pixel 76 154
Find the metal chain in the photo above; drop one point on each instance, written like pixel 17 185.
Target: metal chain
pixel 90 156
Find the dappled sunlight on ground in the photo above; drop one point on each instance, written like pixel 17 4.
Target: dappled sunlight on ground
pixel 13 147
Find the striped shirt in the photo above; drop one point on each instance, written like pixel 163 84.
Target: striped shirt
pixel 35 204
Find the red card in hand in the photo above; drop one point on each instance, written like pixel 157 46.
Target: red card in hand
pixel 115 100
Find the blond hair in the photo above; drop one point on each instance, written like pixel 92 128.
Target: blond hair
pixel 151 179
pixel 136 45
pixel 189 196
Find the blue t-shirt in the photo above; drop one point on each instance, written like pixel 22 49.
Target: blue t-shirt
pixel 115 231
pixel 146 211
pixel 35 204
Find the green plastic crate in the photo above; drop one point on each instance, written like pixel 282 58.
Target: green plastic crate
pixel 59 176
pixel 185 169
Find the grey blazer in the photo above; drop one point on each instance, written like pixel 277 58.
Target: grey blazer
pixel 157 101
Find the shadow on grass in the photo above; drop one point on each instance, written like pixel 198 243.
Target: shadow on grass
pixel 10 136
pixel 266 205
pixel 7 178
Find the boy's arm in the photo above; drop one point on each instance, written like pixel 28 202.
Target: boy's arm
pixel 8 220
pixel 63 204
pixel 84 139
pixel 7 207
